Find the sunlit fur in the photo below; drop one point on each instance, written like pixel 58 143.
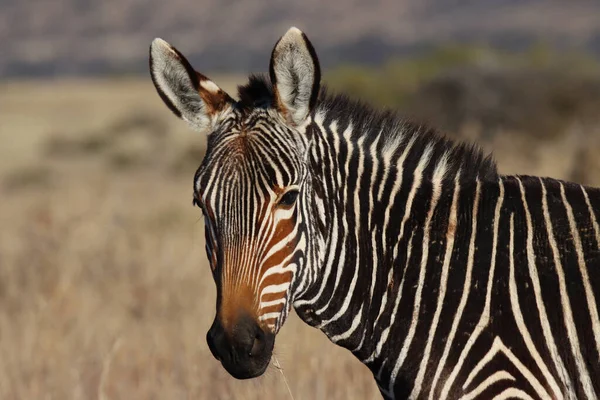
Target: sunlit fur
pixel 445 278
pixel 264 256
pixel 400 243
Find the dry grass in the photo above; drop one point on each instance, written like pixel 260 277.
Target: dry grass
pixel 104 288
pixel 105 291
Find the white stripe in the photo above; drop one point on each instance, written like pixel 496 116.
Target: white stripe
pixel 485 315
pixel 386 155
pixel 390 203
pixel 583 269
pixel 483 386
pixel 543 315
pixel 350 331
pixel 499 347
pixel 512 393
pixel 275 288
pixel 279 269
pixel 348 298
pixel 271 303
pixel 411 195
pixel 452 224
pixel 342 259
pixel 268 316
pixel 374 159
pixel 592 215
pixel 417 300
pixel 584 377
pixel 386 331
pixel 518 315
pixel 334 240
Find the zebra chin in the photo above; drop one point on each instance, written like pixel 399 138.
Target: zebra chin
pixel 244 371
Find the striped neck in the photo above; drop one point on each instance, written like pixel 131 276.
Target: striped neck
pixel 373 177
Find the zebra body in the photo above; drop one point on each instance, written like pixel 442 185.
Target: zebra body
pixel 445 278
pixel 459 284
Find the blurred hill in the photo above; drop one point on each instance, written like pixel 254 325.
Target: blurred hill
pixel 85 37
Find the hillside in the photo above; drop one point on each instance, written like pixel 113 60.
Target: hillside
pixel 83 37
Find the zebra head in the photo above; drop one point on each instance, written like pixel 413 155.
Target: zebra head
pixel 252 186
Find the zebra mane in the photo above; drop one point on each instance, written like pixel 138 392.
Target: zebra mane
pixel 391 127
pixel 258 92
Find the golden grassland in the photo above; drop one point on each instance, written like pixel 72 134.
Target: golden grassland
pixel 105 291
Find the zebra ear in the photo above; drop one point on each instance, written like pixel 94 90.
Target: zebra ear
pixel 190 95
pixel 296 76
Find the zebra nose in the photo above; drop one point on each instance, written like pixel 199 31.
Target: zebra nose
pixel 250 339
pixel 258 344
pixel 211 341
pixel 247 338
pixel 244 350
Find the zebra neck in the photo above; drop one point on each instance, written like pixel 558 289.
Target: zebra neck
pixel 361 185
pixel 374 193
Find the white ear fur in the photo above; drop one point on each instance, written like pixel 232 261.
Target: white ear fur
pixel 190 95
pixel 296 75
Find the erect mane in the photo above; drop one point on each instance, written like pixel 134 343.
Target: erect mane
pixel 366 120
pixel 258 92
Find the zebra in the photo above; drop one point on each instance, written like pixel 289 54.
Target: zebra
pixel 444 277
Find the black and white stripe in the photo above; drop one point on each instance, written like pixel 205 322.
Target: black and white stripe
pixel 456 282
pixel 448 280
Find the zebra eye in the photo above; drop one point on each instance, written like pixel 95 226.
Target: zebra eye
pixel 289 198
pixel 196 203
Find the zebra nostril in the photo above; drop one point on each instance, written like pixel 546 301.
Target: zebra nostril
pixel 255 346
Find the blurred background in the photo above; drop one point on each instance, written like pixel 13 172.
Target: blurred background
pixel 104 287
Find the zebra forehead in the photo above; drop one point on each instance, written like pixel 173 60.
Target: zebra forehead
pixel 250 162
